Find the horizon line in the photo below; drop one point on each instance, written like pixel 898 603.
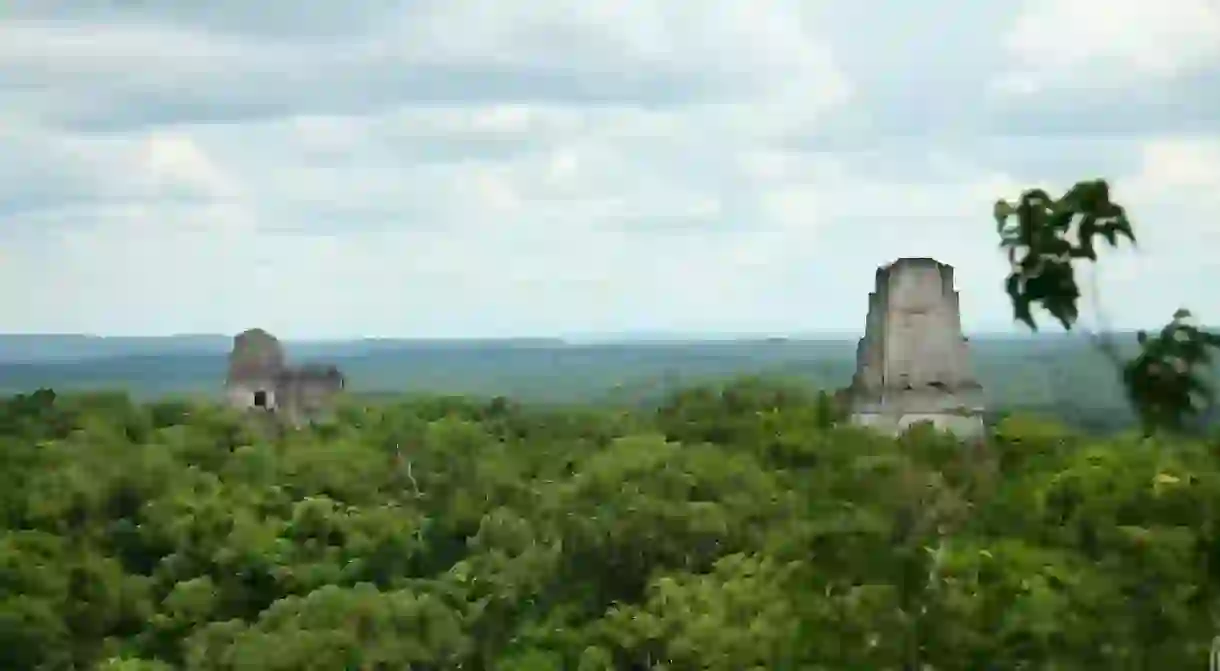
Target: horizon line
pixel 620 336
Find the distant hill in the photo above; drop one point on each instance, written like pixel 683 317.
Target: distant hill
pixel 31 348
pixel 1056 374
pixel 535 369
pixel 45 348
pixel 41 348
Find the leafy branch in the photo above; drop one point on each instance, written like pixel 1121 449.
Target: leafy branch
pixel 1164 382
pixel 1043 238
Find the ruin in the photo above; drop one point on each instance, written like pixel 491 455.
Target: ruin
pixel 912 365
pixel 259 379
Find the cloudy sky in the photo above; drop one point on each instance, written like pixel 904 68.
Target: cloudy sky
pixel 529 167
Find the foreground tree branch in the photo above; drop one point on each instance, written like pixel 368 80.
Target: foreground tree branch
pixel 1043 237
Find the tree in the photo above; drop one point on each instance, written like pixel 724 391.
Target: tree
pixel 1044 237
pixel 734 529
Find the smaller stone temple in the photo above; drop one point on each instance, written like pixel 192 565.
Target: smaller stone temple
pixel 913 364
pixel 259 379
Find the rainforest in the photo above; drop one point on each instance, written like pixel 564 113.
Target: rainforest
pixel 735 526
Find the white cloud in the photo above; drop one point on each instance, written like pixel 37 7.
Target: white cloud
pixel 1178 184
pixel 503 168
pixel 1182 163
pixel 756 44
pixel 1109 43
pixel 97 73
pixel 174 163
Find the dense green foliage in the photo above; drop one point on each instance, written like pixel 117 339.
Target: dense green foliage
pixel 734 528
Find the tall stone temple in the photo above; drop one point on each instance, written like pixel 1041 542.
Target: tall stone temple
pixel 913 363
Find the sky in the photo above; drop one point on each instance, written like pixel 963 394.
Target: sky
pixel 437 168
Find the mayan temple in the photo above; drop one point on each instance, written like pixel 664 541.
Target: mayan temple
pixel 912 365
pixel 259 379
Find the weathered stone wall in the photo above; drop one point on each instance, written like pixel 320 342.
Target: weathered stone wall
pixel 256 355
pixel 913 362
pixel 923 333
pixel 242 395
pixel 257 369
pixel 255 361
pixel 963 426
pixel 307 394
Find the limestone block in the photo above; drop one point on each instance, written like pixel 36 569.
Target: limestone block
pixel 913 362
pixel 258 378
pixel 256 355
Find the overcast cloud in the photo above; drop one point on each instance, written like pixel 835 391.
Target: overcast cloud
pixel 484 168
